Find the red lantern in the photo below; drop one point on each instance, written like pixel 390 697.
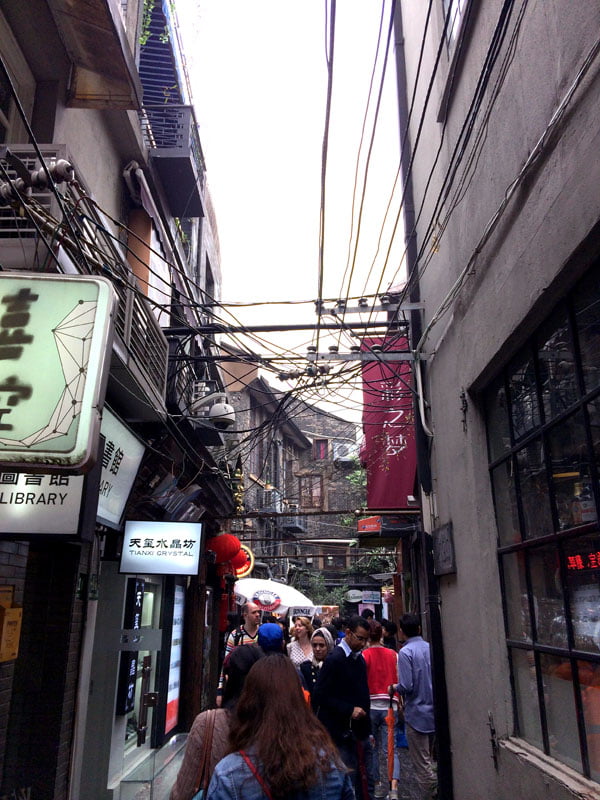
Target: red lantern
pixel 225 546
pixel 239 560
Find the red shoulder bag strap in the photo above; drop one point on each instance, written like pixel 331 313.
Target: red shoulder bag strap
pixel 257 774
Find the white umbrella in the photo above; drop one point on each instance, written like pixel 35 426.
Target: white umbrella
pixel 273 596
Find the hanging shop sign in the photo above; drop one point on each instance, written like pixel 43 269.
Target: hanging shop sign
pixel 371 596
pixel 48 504
pixel 248 564
pixel 389 450
pixel 444 559
pixel 161 548
pixel 354 596
pixel 121 459
pixel 55 340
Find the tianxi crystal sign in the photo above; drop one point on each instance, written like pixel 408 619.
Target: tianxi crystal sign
pixel 54 344
pixel 161 548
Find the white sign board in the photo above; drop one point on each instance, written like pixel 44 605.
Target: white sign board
pixel 55 336
pixel 161 548
pixel 121 459
pixel 44 504
pixel 172 716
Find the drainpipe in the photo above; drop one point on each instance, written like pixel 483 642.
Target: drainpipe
pixel 433 600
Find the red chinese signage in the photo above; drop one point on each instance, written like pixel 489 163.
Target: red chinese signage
pixel 584 561
pixel 389 450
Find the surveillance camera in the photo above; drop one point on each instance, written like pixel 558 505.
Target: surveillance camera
pixel 222 415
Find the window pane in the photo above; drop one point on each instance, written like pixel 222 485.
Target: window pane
pixel 535 497
pixel 517 606
pixel 571 473
pixel 320 449
pixel 525 411
pixel 560 710
pixel 505 501
pixel 548 604
pixel 558 378
pixel 587 310
pixel 583 579
pixel 526 696
pixel 594 418
pixel 497 420
pixel 589 679
pixel 5 96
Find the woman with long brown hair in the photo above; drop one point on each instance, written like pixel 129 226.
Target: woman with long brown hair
pixel 267 757
pixel 213 733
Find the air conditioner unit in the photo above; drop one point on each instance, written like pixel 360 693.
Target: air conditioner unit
pixel 344 451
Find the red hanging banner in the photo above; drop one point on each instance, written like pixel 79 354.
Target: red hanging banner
pixel 389 449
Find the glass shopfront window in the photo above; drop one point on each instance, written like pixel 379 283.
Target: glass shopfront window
pixel 543 425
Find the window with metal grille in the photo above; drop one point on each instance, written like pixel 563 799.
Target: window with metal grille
pixel 311 491
pixel 543 425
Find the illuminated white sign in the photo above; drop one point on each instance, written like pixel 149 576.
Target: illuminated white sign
pixel 172 716
pixel 121 459
pixel 54 343
pixel 161 548
pixel 40 504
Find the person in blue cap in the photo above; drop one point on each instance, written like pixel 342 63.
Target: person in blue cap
pixel 270 638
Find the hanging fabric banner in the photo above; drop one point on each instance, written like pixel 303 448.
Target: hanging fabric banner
pixel 389 450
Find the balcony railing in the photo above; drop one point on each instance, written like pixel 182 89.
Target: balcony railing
pixel 171 135
pixel 85 245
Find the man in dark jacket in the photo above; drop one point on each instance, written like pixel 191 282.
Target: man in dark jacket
pixel 341 701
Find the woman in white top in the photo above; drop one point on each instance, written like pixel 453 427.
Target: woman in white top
pixel 300 648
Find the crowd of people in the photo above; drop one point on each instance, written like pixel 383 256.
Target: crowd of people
pixel 312 712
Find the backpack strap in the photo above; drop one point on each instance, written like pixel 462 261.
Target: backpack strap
pixel 239 633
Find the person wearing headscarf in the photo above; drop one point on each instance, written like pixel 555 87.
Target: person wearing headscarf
pixel 235 668
pixel 322 644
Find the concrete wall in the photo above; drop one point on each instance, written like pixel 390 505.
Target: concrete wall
pixel 509 287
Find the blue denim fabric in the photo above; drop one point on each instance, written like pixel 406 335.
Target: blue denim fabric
pixel 233 780
pixel 379 735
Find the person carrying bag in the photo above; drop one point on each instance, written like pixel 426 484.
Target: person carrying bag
pixel 207 741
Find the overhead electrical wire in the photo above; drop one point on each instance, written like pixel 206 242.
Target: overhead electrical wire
pixel 329 54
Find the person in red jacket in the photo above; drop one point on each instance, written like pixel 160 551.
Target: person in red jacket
pixel 381 672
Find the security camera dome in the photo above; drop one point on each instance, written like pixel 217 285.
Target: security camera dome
pixel 222 415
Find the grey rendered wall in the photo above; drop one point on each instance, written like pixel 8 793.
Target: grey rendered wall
pixel 519 274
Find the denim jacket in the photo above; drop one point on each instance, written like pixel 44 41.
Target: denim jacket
pixel 233 780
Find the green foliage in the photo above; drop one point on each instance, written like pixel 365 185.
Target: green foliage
pixel 146 21
pixel 375 562
pixel 313 585
pixel 145 32
pixel 358 476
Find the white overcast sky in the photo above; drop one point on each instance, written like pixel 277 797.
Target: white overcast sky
pixel 259 78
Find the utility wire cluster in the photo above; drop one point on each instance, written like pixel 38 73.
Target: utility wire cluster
pixel 80 230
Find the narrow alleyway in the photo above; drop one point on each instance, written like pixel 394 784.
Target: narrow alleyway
pixel 407 789
pixel 163 782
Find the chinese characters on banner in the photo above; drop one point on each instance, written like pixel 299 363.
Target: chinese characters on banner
pixel 389 449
